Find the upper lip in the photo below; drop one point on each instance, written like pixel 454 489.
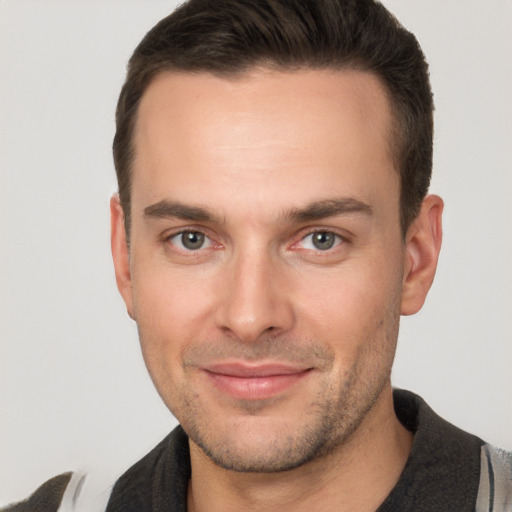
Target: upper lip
pixel 247 370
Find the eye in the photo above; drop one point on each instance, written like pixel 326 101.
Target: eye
pixel 321 241
pixel 190 240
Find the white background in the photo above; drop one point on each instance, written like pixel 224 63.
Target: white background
pixel 74 393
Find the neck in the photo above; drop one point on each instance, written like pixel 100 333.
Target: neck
pixel 358 475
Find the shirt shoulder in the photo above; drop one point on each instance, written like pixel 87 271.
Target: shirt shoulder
pixel 68 492
pixel 495 489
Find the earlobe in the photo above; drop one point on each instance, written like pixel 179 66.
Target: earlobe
pixel 120 253
pixel 423 244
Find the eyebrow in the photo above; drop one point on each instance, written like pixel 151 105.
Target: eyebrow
pixel 173 209
pixel 316 210
pixel 329 208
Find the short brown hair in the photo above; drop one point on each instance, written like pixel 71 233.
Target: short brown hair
pixel 228 37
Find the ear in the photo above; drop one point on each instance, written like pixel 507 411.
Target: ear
pixel 120 253
pixel 423 243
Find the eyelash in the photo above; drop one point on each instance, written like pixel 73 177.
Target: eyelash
pixel 174 236
pixel 338 240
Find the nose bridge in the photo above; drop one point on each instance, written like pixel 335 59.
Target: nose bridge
pixel 253 301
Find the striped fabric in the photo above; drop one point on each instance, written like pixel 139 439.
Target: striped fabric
pixel 495 489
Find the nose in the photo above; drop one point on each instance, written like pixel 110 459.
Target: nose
pixel 253 300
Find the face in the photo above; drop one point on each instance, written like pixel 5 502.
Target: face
pixel 266 264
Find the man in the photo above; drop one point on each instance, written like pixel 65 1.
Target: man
pixel 272 225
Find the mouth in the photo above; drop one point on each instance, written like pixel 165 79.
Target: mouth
pixel 254 381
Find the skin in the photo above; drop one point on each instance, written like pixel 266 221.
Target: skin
pixel 258 164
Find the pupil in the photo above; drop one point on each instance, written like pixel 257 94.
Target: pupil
pixel 323 240
pixel 192 240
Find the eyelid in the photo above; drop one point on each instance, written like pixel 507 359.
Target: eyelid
pixel 170 235
pixel 207 242
pixel 341 238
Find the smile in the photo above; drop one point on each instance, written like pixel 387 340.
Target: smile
pixel 254 382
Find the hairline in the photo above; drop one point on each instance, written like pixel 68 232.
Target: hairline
pixel 395 137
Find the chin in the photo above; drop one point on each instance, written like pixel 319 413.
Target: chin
pixel 268 445
pixel 272 456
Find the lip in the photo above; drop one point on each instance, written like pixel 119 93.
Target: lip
pixel 254 381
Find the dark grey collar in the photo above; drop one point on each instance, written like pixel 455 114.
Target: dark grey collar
pixel 443 470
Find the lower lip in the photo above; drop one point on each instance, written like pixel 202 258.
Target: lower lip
pixel 255 388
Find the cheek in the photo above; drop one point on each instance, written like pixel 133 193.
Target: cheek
pixel 166 299
pixel 171 311
pixel 352 306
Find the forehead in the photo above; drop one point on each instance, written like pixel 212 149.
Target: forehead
pixel 300 131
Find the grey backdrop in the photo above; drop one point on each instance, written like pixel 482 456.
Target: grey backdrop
pixel 74 393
